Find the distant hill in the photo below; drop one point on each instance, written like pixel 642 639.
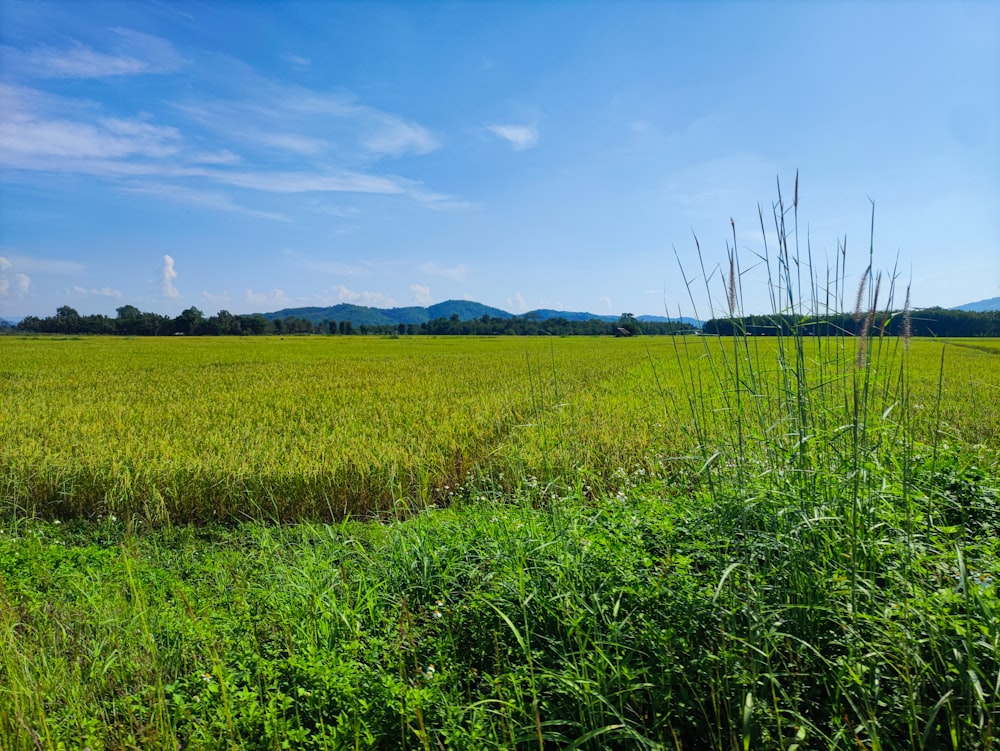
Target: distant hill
pixel 361 314
pixel 544 314
pixel 983 306
pixel 466 310
pixel 661 319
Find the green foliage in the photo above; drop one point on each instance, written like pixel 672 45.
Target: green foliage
pixel 701 542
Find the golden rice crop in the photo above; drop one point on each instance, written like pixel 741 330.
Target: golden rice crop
pixel 323 427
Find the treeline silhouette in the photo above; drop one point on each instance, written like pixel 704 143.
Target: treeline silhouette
pixel 926 322
pixel 130 321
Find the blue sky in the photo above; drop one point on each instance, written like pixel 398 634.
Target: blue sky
pixel 251 156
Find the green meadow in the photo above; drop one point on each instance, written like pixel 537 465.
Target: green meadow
pixel 499 543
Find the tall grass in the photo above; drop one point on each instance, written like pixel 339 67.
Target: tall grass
pixel 810 458
pixel 811 566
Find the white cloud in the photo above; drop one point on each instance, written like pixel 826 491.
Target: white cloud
pixel 207 199
pixel 78 61
pixel 215 299
pixel 517 303
pixel 457 273
pixel 275 297
pixel 520 137
pixel 223 156
pixel 305 182
pixel 394 137
pixel 42 265
pixel 133 53
pixel 439 201
pixel 377 300
pixel 169 274
pixel 36 125
pixel 22 285
pixel 344 294
pixel 103 292
pixel 323 267
pixel 606 302
pixel 371 299
pixel 421 294
pixel 293 142
pixel 296 59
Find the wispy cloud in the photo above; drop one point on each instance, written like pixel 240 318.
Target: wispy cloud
pixel 264 129
pixel 275 297
pixel 457 273
pixel 371 299
pixel 421 294
pixel 168 276
pixel 437 201
pixel 520 137
pixel 296 59
pixel 41 266
pixel 392 136
pixel 22 282
pixel 215 299
pixel 324 267
pixel 207 199
pixel 517 303
pixel 305 182
pixel 130 53
pixel 223 156
pixel 28 131
pixel 102 292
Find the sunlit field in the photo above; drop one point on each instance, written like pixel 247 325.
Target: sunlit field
pixel 511 543
pixel 322 428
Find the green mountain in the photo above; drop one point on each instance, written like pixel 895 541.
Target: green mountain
pixel 983 306
pixel 361 314
pixel 466 310
pixel 544 314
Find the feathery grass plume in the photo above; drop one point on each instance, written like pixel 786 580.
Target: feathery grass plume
pixel 862 288
pixel 731 284
pixel 907 330
pixel 866 327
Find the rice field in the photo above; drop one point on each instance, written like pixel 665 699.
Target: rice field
pixel 689 543
pixel 324 428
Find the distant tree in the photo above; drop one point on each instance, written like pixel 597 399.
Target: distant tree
pixel 255 325
pixel 188 321
pixel 629 324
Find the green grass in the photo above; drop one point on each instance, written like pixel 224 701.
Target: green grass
pixel 643 620
pixel 733 543
pixel 813 566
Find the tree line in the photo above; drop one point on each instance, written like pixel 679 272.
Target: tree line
pixel 933 322
pixel 130 321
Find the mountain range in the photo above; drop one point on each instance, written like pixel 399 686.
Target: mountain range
pixel 982 306
pixel 465 310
